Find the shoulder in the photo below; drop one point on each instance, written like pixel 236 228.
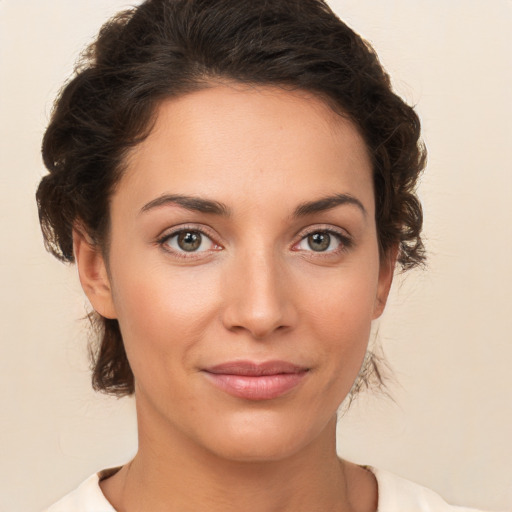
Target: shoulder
pixel 86 498
pixel 396 493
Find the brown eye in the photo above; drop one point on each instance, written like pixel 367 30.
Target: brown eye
pixel 319 241
pixel 189 241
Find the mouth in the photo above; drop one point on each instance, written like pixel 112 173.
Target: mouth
pixel 256 381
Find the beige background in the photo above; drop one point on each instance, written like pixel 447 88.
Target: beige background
pixel 447 331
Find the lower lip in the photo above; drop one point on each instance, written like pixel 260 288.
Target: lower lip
pixel 253 387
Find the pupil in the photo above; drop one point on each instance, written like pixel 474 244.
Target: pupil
pixel 319 241
pixel 189 241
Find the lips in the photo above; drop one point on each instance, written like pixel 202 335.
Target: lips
pixel 256 381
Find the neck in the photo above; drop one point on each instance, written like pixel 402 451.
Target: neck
pixel 172 473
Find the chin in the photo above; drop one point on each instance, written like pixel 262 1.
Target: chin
pixel 265 438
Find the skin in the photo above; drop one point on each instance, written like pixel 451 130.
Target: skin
pixel 255 290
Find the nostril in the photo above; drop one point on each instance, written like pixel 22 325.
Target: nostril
pixel 257 328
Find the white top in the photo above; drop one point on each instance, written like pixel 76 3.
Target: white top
pixel 395 495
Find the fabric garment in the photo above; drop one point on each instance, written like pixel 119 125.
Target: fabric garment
pixel 395 495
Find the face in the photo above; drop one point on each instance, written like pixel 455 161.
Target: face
pixel 243 268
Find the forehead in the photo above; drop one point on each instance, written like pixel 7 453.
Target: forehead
pixel 238 142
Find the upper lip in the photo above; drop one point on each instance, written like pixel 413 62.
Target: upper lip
pixel 255 369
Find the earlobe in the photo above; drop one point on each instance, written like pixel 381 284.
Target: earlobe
pixel 93 273
pixel 386 272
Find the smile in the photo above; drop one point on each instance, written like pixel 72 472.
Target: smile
pixel 256 381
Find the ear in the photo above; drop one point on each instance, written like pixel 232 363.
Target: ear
pixel 386 272
pixel 93 274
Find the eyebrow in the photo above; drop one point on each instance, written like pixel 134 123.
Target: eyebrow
pixel 195 204
pixel 201 205
pixel 327 203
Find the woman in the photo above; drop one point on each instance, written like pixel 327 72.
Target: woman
pixel 235 181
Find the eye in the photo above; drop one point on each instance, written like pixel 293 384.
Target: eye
pixel 322 241
pixel 189 240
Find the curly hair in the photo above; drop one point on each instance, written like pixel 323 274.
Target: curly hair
pixel 167 48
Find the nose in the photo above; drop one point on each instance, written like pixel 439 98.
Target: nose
pixel 259 296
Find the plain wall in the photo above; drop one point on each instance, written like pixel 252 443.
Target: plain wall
pixel 447 330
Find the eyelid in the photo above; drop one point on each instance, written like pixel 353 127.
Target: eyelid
pixel 176 230
pixel 344 237
pixel 326 228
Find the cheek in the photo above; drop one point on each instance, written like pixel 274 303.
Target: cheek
pixel 162 314
pixel 340 315
pixel 342 300
pixel 346 329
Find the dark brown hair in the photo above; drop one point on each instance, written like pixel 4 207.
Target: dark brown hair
pixel 166 48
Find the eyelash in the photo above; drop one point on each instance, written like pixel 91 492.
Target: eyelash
pixel 346 242
pixel 163 242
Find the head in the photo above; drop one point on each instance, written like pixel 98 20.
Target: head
pixel 143 71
